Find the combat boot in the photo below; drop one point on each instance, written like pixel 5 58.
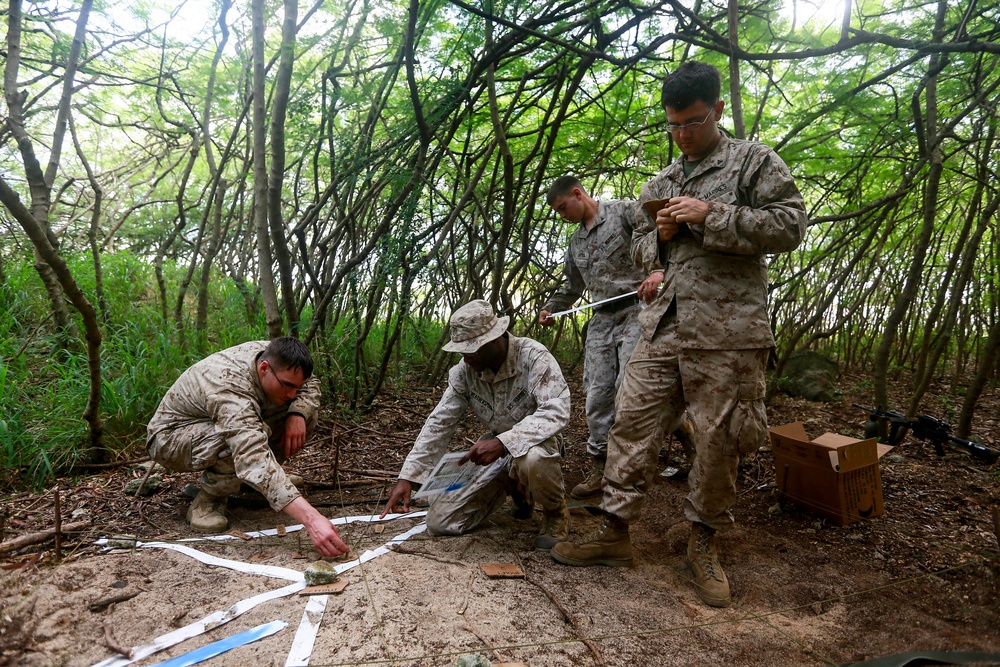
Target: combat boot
pixel 555 528
pixel 610 545
pixel 710 581
pixel 594 482
pixel 205 514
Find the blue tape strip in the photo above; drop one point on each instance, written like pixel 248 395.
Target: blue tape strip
pixel 216 648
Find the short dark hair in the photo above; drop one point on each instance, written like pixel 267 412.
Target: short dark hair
pixel 690 82
pixel 562 187
pixel 288 353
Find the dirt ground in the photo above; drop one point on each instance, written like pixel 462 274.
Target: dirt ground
pixel 924 576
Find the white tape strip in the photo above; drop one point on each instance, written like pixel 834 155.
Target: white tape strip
pixel 238 565
pixel 210 622
pixel 271 532
pixel 220 617
pixel 305 636
pixel 384 549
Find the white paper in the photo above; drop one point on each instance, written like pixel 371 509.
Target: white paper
pixel 447 476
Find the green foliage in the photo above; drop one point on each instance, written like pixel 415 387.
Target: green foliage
pixel 43 395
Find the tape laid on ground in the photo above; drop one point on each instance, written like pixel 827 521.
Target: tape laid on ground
pixel 308 633
pixel 218 648
pixel 210 622
pixel 305 636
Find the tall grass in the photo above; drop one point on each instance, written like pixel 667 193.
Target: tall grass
pixel 43 392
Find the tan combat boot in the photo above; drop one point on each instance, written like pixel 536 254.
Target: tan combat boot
pixel 205 514
pixel 555 528
pixel 610 545
pixel 594 482
pixel 710 581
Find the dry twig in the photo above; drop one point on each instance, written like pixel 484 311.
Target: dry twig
pixel 36 538
pixel 569 619
pixel 101 605
pixel 112 643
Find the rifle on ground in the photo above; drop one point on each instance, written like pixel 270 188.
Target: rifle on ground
pixel 924 428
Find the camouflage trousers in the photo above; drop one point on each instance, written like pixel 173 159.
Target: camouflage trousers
pixel 611 337
pixel 723 393
pixel 539 473
pixel 200 446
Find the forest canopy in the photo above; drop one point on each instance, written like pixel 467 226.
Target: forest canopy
pixel 178 177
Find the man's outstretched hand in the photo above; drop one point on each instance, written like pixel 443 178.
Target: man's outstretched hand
pixel 400 494
pixel 324 536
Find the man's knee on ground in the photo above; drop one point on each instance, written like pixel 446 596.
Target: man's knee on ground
pixel 444 523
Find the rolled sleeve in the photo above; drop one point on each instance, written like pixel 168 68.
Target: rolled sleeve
pixel 306 402
pixel 239 422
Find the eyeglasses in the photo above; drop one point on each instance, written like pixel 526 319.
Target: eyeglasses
pixel 693 125
pixel 290 386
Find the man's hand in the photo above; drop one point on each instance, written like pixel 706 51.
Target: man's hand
pixel 295 435
pixel 687 210
pixel 484 452
pixel 322 533
pixel 649 287
pixel 545 318
pixel 400 494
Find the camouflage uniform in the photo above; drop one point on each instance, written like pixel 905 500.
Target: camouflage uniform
pixel 599 260
pixel 526 405
pixel 706 337
pixel 217 419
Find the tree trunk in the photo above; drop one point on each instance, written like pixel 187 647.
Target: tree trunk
pixel 279 107
pixel 272 312
pixel 735 90
pixel 35 221
pixel 909 292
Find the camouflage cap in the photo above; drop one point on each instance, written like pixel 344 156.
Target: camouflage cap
pixel 473 325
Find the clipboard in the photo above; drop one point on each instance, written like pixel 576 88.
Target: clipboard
pixel 447 475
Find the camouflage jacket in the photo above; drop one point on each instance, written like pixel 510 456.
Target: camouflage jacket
pixel 598 259
pixel 225 389
pixel 525 403
pixel 717 273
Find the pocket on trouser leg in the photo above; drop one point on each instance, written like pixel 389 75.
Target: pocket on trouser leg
pixel 748 426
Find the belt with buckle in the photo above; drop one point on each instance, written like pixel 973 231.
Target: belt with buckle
pixel 619 305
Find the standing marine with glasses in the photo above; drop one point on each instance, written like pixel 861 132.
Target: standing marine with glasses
pixel 236 416
pixel 705 338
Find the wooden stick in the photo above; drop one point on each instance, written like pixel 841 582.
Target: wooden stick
pixel 142 484
pixel 58 513
pixel 116 464
pixel 996 523
pixel 37 538
pixel 101 605
pixel 572 621
pixel 336 456
pixel 112 643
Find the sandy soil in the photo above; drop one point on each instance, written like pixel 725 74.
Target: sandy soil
pixel 924 576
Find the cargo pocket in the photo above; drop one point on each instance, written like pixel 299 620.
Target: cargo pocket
pixel 748 426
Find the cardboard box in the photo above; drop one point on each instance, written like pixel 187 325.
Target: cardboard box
pixel 834 475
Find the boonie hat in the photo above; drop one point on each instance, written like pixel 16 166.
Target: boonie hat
pixel 473 325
